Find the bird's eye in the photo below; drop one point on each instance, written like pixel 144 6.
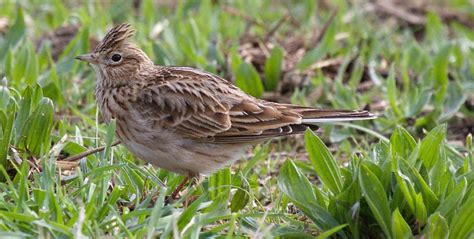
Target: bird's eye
pixel 116 57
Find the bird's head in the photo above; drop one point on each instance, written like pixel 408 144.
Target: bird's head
pixel 115 60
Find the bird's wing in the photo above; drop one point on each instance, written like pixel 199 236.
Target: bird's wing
pixel 205 107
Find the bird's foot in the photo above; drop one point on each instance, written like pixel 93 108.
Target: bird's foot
pixel 192 178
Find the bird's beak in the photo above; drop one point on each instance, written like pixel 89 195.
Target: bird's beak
pixel 87 58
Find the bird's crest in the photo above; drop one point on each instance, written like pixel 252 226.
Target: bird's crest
pixel 116 36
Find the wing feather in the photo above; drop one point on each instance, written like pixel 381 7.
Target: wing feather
pixel 205 107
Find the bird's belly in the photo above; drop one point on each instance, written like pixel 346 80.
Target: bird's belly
pixel 164 149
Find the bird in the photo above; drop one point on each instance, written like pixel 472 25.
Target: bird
pixel 187 120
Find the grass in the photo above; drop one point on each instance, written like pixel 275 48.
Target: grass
pixel 406 174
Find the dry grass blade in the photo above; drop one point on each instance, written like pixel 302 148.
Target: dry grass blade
pixel 234 12
pixel 89 152
pixel 399 12
pixel 318 35
pixel 275 28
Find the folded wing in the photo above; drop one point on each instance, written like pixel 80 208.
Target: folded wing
pixel 207 108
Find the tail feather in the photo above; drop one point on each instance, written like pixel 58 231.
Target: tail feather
pixel 331 116
pixel 313 115
pixel 253 123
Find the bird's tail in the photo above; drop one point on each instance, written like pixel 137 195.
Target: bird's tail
pixel 332 116
pixel 316 116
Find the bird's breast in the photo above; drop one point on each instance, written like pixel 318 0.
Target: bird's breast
pixel 112 104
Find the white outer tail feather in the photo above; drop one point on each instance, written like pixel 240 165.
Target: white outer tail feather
pixel 336 119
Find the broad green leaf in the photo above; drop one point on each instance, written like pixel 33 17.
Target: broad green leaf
pixel 376 169
pixel 430 145
pixel 235 60
pixel 19 65
pixel 392 92
pixel 434 28
pixel 376 197
pixel 39 126
pixel 4 96
pixel 44 57
pixel 440 73
pixel 241 197
pixel 406 187
pixel 15 33
pixel 331 231
pixel 323 162
pixel 437 227
pixel 420 209
pixel 273 68
pixel 386 177
pixel 294 184
pixel 321 197
pixel 400 228
pixel 23 112
pixel 8 62
pixel 462 225
pixel 281 232
pixel 351 193
pixel 53 92
pixel 297 187
pixel 6 130
pixel 432 200
pixel 31 71
pixel 439 173
pixel 417 101
pixel 454 102
pixel 449 205
pixel 402 143
pixel 326 43
pixel 247 79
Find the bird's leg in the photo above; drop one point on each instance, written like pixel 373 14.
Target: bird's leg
pixel 194 178
pixel 191 176
pixel 178 189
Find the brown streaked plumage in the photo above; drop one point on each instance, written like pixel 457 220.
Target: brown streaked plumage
pixel 186 120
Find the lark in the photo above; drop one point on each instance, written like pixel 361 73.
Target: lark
pixel 186 120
